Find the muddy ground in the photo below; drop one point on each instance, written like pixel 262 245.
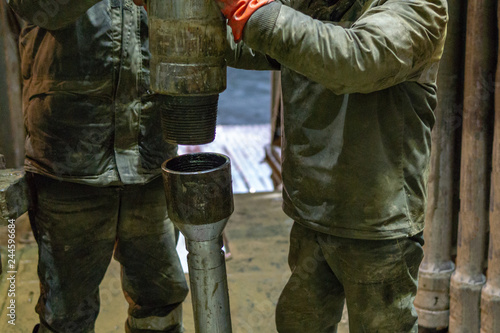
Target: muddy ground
pixel 258 241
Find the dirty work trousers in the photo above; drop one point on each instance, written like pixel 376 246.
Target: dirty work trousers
pixel 376 278
pixel 78 228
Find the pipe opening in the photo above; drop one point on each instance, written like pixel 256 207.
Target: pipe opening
pixel 198 162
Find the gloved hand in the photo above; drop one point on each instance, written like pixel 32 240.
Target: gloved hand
pixel 238 12
pixel 140 3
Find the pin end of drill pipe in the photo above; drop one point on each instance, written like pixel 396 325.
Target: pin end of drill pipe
pixel 189 120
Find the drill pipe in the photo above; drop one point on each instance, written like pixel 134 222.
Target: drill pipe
pixel 187 40
pixel 480 59
pixel 433 296
pixel 490 295
pixel 199 202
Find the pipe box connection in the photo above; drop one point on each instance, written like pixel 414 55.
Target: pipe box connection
pixel 199 202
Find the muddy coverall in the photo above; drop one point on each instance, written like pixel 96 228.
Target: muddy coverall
pixel 93 156
pixel 359 89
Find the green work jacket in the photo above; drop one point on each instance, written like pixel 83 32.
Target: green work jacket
pixel 89 113
pixel 359 91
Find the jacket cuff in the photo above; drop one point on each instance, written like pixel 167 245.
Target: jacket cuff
pixel 259 27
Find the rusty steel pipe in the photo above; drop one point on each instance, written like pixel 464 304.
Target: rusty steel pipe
pixel 490 295
pixel 480 61
pixel 433 297
pixel 187 40
pixel 199 202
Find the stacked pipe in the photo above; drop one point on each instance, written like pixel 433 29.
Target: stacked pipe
pixel 490 295
pixel 468 278
pixel 433 300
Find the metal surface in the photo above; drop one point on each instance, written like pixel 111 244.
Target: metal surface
pixel 187 39
pixel 199 202
pixel 480 61
pixel 433 297
pixel 12 134
pixel 208 280
pixel 14 195
pixel 490 295
pixel 189 120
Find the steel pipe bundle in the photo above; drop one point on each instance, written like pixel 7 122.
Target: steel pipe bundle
pixel 468 278
pixel 199 202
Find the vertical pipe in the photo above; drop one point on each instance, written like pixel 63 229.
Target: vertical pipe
pixel 490 296
pixel 208 281
pixel 432 302
pixel 199 202
pixel 468 278
pixel 187 39
pixel 11 127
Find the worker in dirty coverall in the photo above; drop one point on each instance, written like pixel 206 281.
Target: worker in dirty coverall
pixel 93 156
pixel 359 90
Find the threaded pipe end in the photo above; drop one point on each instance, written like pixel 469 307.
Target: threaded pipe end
pixel 189 120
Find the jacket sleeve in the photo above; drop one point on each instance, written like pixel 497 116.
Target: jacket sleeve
pixel 239 55
pixel 51 14
pixel 392 42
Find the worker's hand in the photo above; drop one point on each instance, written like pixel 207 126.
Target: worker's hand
pixel 140 3
pixel 238 12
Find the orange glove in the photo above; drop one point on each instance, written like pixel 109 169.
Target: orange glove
pixel 238 12
pixel 141 3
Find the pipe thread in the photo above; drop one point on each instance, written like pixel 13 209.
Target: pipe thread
pixel 189 120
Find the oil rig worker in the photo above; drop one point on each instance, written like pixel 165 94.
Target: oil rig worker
pixel 93 155
pixel 359 91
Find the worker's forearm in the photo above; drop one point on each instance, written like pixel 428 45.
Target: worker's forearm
pixel 386 46
pixel 239 55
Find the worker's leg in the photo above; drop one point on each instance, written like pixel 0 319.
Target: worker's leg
pixel 379 279
pixel 152 276
pixel 313 299
pixel 75 228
